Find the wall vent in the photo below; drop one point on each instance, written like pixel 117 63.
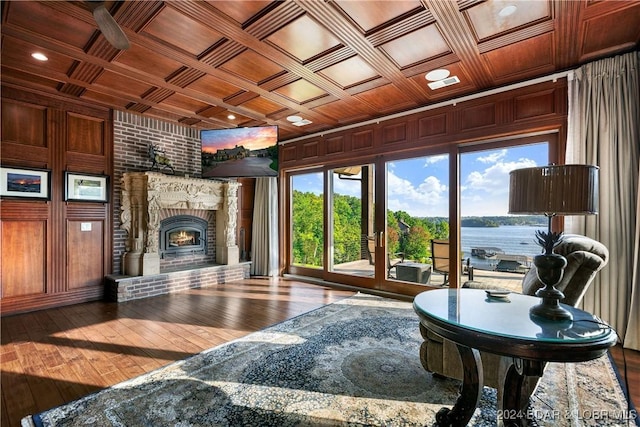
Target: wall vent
pixel 444 82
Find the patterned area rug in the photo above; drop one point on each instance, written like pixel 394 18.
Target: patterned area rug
pixel 351 363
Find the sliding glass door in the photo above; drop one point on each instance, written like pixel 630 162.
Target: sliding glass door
pixel 417 212
pixel 333 225
pixel 354 225
pixel 351 220
pixel 307 221
pixel 500 247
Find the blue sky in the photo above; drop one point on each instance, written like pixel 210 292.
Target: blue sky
pixel 420 186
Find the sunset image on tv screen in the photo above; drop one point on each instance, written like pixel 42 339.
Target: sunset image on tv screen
pixel 240 152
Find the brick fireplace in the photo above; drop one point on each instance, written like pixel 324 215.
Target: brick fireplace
pixel 151 199
pixel 183 205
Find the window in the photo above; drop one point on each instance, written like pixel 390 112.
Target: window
pixel 307 220
pixel 492 239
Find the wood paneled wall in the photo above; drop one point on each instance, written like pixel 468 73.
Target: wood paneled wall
pixel 54 252
pixel 245 216
pixel 531 109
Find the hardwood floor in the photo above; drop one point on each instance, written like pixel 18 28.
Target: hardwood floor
pixel 631 375
pixel 54 356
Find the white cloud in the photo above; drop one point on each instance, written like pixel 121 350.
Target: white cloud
pixel 430 160
pixel 347 186
pixel 493 157
pixel 495 178
pixel 428 198
pixel 486 192
pixel 432 187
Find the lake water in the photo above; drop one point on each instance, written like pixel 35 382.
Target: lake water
pixel 512 239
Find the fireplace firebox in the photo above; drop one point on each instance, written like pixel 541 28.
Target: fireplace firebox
pixel 183 235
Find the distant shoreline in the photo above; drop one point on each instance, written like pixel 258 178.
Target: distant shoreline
pixel 497 221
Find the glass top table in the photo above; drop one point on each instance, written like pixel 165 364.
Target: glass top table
pixel 475 320
pixel 491 320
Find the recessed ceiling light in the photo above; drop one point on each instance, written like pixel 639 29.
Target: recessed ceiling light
pixel 294 119
pixel 508 10
pixel 40 56
pixel 231 117
pixel 436 75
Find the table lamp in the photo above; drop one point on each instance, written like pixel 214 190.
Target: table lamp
pixel 549 191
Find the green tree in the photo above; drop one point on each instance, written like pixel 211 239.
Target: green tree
pixel 308 238
pixel 418 245
pixel 439 228
pixel 393 234
pixel 308 215
pixel 346 228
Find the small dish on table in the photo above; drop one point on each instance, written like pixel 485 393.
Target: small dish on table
pixel 498 293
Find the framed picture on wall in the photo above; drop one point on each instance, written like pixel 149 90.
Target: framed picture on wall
pixel 86 188
pixel 24 183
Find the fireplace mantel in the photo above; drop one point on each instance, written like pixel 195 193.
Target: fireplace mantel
pixel 145 194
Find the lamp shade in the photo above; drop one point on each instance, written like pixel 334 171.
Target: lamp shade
pixel 555 190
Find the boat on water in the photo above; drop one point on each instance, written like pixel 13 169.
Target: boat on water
pixel 486 252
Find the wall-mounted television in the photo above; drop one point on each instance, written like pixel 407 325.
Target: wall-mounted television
pixel 240 152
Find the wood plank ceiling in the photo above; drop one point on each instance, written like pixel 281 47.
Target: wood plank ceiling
pixel 333 62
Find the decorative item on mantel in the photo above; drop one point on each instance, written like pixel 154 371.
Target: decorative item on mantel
pixel 159 159
pixel 549 191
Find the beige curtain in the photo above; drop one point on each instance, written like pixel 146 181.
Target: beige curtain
pixel 604 121
pixel 264 232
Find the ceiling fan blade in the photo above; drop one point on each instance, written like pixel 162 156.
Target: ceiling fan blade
pixel 108 26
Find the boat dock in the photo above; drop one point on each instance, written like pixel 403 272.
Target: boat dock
pixel 494 259
pixel 486 252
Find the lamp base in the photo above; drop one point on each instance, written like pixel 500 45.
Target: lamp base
pixel 550 268
pixel 550 309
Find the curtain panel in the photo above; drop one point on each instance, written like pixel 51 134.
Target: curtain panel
pixel 264 232
pixel 603 130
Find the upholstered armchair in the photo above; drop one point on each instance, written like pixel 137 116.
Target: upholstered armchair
pixel 585 257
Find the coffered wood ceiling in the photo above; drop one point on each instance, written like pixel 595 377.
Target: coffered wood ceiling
pixel 334 62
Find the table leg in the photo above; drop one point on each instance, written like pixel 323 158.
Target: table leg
pixel 516 390
pixel 470 391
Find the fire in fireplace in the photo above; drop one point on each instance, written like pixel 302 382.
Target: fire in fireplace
pixel 183 235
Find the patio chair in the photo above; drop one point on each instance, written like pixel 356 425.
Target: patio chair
pixel 391 264
pixel 440 260
pixel 368 245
